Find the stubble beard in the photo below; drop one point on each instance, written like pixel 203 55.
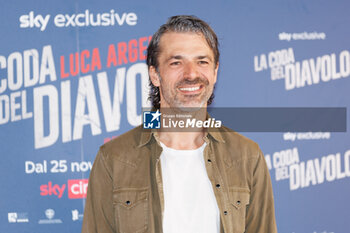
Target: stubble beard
pixel 188 103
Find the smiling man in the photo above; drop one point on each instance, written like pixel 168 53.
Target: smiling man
pixel 195 181
pixel 189 69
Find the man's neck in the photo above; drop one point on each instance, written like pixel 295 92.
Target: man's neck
pixel 180 140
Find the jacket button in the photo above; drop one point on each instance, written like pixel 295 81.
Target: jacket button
pixel 209 161
pixel 128 202
pixel 225 212
pixel 238 202
pixel 218 185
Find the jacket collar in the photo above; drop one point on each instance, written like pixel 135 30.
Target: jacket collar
pixel 147 135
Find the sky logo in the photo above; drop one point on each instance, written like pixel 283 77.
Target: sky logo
pixel 151 120
pixel 77 188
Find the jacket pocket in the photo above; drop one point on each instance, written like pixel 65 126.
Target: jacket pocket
pixel 131 209
pixel 239 199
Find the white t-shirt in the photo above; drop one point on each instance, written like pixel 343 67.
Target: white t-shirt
pixel 189 202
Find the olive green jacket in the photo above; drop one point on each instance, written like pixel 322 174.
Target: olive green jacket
pixel 125 192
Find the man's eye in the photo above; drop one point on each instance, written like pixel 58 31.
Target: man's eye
pixel 203 62
pixel 175 63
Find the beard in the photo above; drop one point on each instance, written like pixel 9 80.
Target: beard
pixel 186 102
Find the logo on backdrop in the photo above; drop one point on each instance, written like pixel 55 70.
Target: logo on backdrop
pixel 297 74
pixel 84 19
pixel 302 36
pixel 17 217
pixel 303 174
pixel 292 136
pixel 29 89
pixel 12 217
pixel 51 189
pixel 76 189
pixel 322 231
pixel 50 214
pixel 76 215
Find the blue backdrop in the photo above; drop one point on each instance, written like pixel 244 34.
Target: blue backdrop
pixel 73 76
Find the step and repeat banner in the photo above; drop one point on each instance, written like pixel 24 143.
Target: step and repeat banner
pixel 73 76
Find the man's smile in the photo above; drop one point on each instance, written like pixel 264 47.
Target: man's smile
pixel 191 89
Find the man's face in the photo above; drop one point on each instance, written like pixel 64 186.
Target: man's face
pixel 186 72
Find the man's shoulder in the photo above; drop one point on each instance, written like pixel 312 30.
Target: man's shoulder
pixel 232 135
pixel 124 143
pixel 239 142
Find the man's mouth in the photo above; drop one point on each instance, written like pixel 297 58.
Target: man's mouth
pixel 191 89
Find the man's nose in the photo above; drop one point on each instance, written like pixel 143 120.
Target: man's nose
pixel 190 70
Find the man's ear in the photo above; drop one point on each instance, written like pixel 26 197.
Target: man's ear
pixel 153 74
pixel 216 71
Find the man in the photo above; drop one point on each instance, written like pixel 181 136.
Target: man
pixel 197 181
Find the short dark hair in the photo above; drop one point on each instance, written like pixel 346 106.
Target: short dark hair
pixel 179 23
